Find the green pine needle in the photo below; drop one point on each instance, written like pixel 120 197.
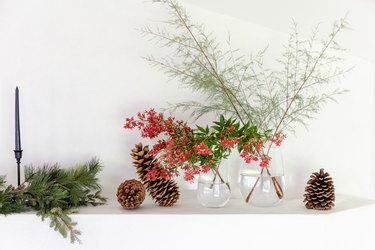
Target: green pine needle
pixel 11 199
pixel 55 193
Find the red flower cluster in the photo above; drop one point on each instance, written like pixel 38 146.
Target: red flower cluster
pixel 202 149
pixel 206 168
pixel 152 124
pixel 158 173
pixel 265 161
pixel 185 148
pixel 253 151
pixel 191 171
pixel 228 143
pixel 278 138
pixel 172 152
pixel 231 128
pixel 160 145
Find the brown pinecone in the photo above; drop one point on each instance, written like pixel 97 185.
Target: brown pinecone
pixel 131 194
pixel 320 191
pixel 164 192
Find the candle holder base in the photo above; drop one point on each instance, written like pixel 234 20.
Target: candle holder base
pixel 18 156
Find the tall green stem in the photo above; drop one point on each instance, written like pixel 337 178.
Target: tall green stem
pixel 227 91
pixel 217 174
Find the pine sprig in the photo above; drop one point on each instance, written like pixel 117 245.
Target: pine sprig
pixel 11 199
pixel 55 193
pixel 62 223
pixel 244 87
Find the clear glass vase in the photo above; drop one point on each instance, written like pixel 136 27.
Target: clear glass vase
pixel 263 186
pixel 213 187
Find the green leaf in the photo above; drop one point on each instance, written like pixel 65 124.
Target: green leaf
pixel 201 129
pixel 222 120
pixel 217 128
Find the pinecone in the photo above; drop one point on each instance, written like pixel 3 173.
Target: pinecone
pixel 131 194
pixel 320 191
pixel 164 192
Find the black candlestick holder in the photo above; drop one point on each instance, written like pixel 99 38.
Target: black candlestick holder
pixel 18 156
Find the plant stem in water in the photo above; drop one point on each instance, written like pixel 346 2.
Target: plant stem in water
pixel 252 190
pixel 217 174
pixel 279 190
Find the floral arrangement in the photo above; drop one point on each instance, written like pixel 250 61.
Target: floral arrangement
pixel 235 85
pixel 265 101
pixel 200 149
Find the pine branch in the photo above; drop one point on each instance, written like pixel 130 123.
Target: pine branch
pixel 10 199
pixel 55 193
pixel 62 223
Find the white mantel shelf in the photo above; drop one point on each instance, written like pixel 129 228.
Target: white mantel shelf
pixel 188 225
pixel 188 204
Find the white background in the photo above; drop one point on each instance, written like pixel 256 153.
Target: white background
pixel 79 68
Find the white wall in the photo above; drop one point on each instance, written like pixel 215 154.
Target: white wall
pixel 79 68
pixel 277 15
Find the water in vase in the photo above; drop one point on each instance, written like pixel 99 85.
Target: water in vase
pixel 268 190
pixel 213 194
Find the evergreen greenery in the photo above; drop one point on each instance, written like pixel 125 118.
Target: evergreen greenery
pixel 54 193
pixel 271 99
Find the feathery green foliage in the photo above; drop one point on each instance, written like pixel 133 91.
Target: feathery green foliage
pixel 244 87
pixel 10 199
pixel 55 193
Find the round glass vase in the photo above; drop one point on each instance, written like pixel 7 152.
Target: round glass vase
pixel 263 186
pixel 213 187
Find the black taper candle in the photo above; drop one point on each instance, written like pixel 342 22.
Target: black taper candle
pixel 18 150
